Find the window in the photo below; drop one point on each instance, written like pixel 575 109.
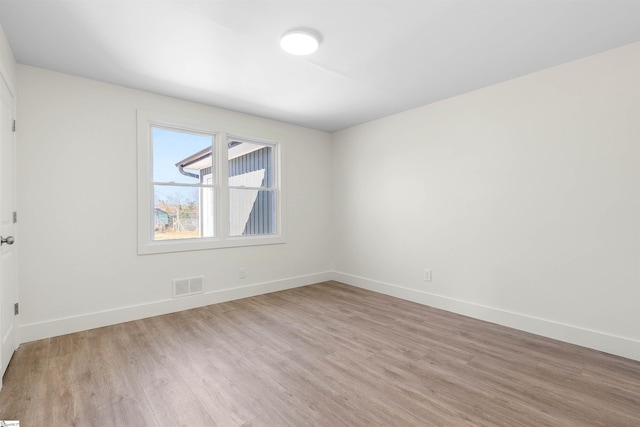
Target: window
pixel 251 188
pixel 203 188
pixel 183 202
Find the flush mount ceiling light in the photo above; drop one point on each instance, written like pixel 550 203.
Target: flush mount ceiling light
pixel 299 42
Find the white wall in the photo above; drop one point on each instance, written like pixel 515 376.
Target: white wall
pixel 77 205
pixel 523 198
pixel 7 62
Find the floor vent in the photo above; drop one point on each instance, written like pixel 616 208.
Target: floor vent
pixel 189 286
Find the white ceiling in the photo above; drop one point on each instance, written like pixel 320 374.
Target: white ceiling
pixel 376 57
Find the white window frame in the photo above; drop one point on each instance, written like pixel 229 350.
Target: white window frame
pixel 146 245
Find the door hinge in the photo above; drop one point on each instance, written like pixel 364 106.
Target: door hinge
pixel 16 309
pixel 13 127
pixel 15 217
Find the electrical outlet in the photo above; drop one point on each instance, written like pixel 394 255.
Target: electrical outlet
pixel 427 275
pixel 242 273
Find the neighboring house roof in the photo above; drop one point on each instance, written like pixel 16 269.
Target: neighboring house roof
pixel 196 161
pixel 160 211
pixel 202 159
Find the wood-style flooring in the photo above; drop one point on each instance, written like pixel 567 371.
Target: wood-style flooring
pixel 321 355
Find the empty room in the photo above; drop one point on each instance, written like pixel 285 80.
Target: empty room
pixel 320 213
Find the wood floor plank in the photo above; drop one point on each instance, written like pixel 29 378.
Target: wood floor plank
pixel 321 355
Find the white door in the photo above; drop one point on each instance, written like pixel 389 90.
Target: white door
pixel 8 283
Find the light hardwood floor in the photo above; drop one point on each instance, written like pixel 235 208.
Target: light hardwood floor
pixel 322 355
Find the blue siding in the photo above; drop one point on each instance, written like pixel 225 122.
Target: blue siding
pixel 262 217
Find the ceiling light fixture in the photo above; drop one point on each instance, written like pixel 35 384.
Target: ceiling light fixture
pixel 299 42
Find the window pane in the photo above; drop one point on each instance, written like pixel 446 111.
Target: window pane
pixel 250 165
pixel 252 212
pixel 182 212
pixel 181 157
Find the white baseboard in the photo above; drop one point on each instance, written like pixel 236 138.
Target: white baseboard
pixel 67 325
pixel 607 343
pixel 612 344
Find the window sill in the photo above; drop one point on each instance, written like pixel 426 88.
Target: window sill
pixel 168 246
